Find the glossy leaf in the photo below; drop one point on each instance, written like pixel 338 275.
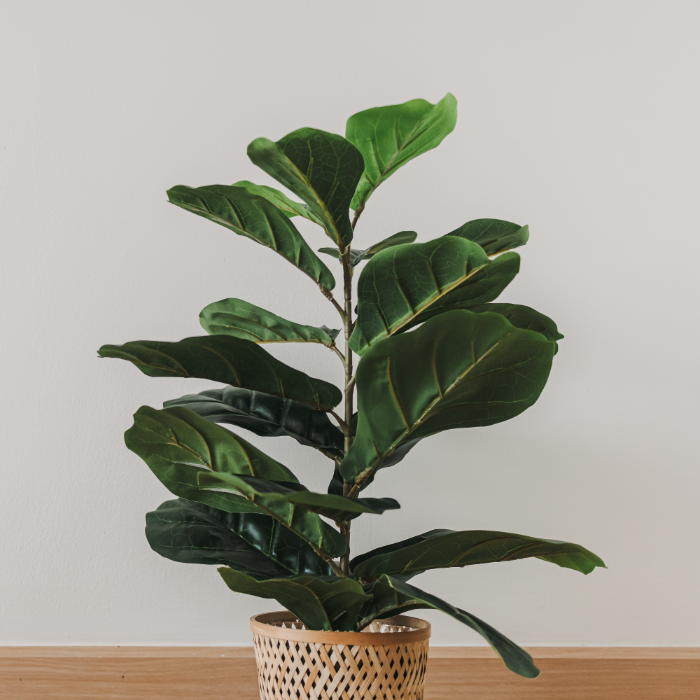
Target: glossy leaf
pixel 287 206
pixel 491 281
pixel 493 235
pixel 321 603
pixel 286 499
pixel 178 445
pixel 441 549
pixel 357 256
pixel 523 317
pixel 241 319
pixel 193 533
pixel 276 499
pixel 458 370
pixel 390 597
pixel 389 137
pixel 233 361
pixel 322 169
pixel 265 415
pixel 256 218
pixel 405 286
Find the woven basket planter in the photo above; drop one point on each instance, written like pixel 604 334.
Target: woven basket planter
pixel 386 661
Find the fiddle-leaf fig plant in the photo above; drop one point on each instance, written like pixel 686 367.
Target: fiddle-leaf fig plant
pixel 424 347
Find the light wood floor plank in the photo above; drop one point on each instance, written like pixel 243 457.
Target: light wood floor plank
pixel 208 673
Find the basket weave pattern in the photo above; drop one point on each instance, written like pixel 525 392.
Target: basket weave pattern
pixel 389 668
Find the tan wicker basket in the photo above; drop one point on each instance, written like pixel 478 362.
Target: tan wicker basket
pixel 386 661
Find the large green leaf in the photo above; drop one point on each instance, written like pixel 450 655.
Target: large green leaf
pixel 193 533
pixel 523 317
pixel 388 137
pixel 265 415
pixel 458 370
pixel 233 361
pixel 178 445
pixel 391 596
pixel 490 281
pixel 269 497
pixel 254 217
pixel 406 285
pixel 493 235
pixel 320 602
pixel 322 169
pixel 357 256
pixel 440 549
pixel 241 319
pixel 286 500
pixel 287 206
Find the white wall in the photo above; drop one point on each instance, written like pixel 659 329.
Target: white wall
pixel 580 119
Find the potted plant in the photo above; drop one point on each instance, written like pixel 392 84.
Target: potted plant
pixel 435 353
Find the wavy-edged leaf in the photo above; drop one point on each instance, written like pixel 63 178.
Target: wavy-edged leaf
pixel 407 285
pixel 322 169
pixel 458 370
pixel 490 281
pixel 286 499
pixel 388 137
pixel 287 206
pixel 229 360
pixel 254 217
pixel 241 319
pixel 523 317
pixel 178 445
pixel 266 415
pixel 320 602
pixel 441 549
pixel 277 500
pixel 493 235
pixel 193 533
pixel 357 256
pixel 391 596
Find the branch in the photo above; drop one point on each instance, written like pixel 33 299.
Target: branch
pixel 329 295
pixel 325 453
pixel 334 348
pixel 338 571
pixel 358 213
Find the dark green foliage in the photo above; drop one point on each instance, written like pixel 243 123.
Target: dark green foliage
pixel 492 235
pixel 321 602
pixel 226 359
pixel 322 169
pixel 240 319
pixel 441 549
pixel 458 370
pixel 391 596
pixel 407 285
pixel 256 218
pixel 254 543
pixel 436 351
pixel 357 256
pixel 264 414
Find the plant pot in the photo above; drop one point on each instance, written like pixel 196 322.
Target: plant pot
pixel 386 661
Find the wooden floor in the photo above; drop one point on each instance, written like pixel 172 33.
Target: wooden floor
pixel 206 673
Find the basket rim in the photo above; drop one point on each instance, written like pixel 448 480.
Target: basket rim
pixel 259 626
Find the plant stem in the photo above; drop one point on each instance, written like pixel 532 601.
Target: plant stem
pixel 349 386
pixel 329 295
